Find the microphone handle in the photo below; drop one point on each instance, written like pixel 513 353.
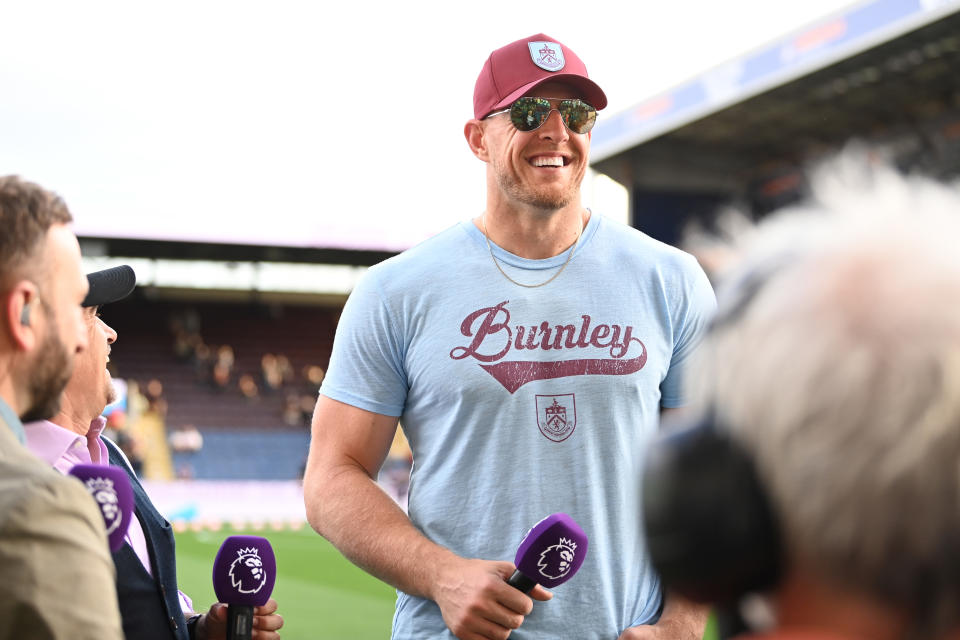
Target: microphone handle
pixel 521 582
pixel 239 622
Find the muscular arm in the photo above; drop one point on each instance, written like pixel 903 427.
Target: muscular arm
pixel 346 506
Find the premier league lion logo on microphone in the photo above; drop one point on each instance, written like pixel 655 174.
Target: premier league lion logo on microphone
pixel 556 560
pixel 246 572
pixel 104 493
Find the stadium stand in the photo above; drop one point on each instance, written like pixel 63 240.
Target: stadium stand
pixel 145 351
pixel 248 436
pixel 883 72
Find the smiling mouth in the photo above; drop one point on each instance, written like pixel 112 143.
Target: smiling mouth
pixel 549 161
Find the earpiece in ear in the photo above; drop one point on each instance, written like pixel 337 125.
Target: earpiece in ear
pixel 25 314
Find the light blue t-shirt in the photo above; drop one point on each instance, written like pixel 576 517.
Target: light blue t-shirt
pixel 519 402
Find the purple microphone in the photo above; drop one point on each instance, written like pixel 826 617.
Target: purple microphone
pixel 243 577
pixel 110 489
pixel 550 553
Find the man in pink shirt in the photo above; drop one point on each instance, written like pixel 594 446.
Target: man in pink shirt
pixel 151 606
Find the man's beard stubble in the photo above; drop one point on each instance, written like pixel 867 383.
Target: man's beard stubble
pixel 111 395
pixel 47 379
pixel 547 201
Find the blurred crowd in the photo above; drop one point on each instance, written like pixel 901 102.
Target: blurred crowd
pixel 215 367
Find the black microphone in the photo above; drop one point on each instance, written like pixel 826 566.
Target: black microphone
pixel 244 573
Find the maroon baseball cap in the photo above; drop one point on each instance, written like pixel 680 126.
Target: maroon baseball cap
pixel 512 71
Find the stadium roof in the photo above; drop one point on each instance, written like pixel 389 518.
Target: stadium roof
pixel 869 72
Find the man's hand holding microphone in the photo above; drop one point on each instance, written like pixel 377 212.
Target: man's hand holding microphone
pixel 487 600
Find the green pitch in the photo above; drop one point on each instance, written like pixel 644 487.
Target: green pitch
pixel 321 595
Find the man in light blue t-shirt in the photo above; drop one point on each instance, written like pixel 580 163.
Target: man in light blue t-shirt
pixel 529 353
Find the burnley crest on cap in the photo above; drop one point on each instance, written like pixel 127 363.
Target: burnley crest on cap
pixel 547 55
pixel 513 70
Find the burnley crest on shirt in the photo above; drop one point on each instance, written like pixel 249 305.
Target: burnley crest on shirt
pixel 557 416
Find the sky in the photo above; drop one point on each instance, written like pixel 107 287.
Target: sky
pixel 310 123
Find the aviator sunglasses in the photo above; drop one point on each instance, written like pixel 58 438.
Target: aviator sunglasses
pixel 528 114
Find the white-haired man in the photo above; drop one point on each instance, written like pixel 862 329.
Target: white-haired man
pixel 836 368
pixel 52 540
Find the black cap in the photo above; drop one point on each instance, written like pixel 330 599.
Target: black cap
pixel 109 285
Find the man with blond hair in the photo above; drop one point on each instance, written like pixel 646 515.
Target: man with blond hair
pixel 529 351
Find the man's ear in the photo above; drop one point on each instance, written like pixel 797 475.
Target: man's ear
pixel 475 133
pixel 18 304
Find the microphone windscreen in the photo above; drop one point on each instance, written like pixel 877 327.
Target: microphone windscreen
pixel 110 488
pixel 244 571
pixel 552 551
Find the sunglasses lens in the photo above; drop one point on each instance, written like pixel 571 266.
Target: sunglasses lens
pixel 578 115
pixel 527 114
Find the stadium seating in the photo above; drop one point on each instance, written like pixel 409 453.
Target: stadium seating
pixel 245 454
pixel 243 438
pixel 145 351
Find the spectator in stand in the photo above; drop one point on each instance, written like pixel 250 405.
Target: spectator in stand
pixel 248 388
pixel 150 603
pixel 131 449
pixel 203 364
pixel 155 400
pixel 270 373
pixel 226 357
pixel 223 368
pixel 221 377
pixel 292 414
pixel 287 376
pixel 308 403
pixel 186 439
pixel 185 327
pixel 118 431
pixel 52 540
pixel 185 345
pixel 314 376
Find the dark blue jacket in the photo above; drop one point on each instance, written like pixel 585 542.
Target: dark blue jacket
pixel 149 606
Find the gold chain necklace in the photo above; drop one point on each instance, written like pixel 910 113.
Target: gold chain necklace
pixel 573 248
